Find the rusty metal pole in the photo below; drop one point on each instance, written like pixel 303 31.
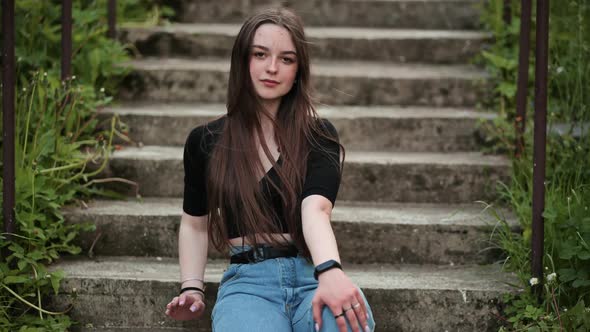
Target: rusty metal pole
pixel 523 75
pixel 66 39
pixel 112 19
pixel 8 118
pixel 540 138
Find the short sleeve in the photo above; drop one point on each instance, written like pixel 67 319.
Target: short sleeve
pixel 195 167
pixel 323 166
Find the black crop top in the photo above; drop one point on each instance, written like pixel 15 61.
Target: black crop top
pixel 322 177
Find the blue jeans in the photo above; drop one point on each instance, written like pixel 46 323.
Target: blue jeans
pixel 273 295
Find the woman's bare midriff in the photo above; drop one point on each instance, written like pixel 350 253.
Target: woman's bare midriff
pixel 237 241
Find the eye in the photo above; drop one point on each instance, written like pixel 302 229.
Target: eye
pixel 288 60
pixel 259 55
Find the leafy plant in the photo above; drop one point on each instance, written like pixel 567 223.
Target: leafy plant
pixel 566 283
pixel 58 148
pixel 54 145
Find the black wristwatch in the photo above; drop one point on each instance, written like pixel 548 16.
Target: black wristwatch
pixel 325 266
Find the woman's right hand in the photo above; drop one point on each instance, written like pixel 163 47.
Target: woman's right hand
pixel 180 306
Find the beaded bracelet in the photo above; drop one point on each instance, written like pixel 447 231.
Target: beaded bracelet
pixel 192 288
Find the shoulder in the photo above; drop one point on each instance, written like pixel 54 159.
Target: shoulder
pixel 324 132
pixel 202 138
pixel 324 140
pixel 327 127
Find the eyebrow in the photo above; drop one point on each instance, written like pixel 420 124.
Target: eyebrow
pixel 267 49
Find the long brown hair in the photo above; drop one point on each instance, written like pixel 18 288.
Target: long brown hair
pixel 233 191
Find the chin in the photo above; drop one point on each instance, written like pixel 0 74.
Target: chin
pixel 271 96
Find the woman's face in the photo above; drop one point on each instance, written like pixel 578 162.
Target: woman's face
pixel 273 62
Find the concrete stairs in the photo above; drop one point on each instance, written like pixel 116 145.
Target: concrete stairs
pixel 394 78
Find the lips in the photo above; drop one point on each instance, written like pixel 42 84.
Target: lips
pixel 270 83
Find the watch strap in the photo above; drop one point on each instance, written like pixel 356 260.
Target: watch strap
pixel 325 266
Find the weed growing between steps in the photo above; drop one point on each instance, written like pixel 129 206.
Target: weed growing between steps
pixel 58 149
pixel 566 282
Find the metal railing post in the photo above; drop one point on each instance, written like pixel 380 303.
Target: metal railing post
pixel 540 137
pixel 8 118
pixel 66 39
pixel 112 19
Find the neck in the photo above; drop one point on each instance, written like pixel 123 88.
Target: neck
pixel 272 107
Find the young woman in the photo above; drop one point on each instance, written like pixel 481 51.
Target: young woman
pixel 261 181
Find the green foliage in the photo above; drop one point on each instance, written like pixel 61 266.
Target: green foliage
pixel 54 145
pixel 566 282
pixel 501 57
pixel 58 148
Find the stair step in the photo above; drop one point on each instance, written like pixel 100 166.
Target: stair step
pixel 336 82
pixel 345 43
pixel 417 129
pixel 418 233
pixel 134 329
pixel 133 292
pixel 424 14
pixel 458 177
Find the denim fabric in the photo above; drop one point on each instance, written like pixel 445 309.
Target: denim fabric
pixel 272 295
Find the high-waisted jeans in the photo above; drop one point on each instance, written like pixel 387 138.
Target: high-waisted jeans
pixel 272 295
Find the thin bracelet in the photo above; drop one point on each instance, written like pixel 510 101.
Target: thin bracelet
pixel 189 279
pixel 192 288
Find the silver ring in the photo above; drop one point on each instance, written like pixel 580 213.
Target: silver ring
pixel 345 310
pixel 356 305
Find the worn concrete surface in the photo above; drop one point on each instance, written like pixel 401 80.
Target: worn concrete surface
pixel 360 128
pixel 458 177
pixel 138 329
pixel 345 43
pixel 415 233
pixel 335 82
pixel 133 292
pixel 440 14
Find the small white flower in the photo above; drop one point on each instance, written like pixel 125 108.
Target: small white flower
pixel 24 89
pixel 559 70
pixel 101 89
pixel 587 309
pixel 45 74
pixel 564 309
pixel 73 77
pixel 551 277
pixel 534 281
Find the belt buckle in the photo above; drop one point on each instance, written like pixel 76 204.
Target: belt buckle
pixel 260 254
pixel 255 256
pixel 251 256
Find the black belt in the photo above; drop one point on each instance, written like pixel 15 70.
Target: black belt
pixel 253 256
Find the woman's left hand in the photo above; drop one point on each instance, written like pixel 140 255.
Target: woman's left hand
pixel 338 292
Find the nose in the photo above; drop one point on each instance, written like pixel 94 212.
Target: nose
pixel 272 66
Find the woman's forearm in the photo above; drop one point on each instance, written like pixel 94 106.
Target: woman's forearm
pixel 192 249
pixel 317 230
